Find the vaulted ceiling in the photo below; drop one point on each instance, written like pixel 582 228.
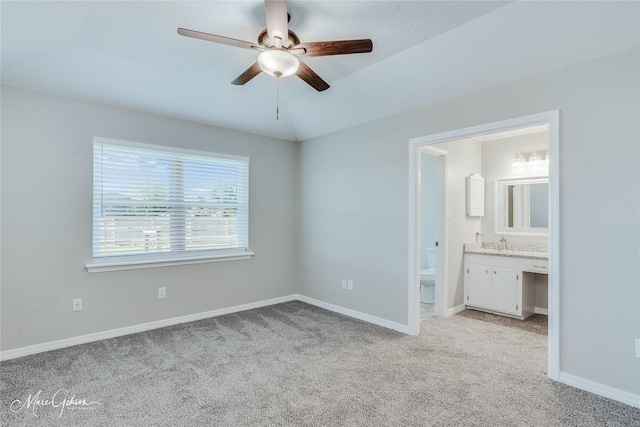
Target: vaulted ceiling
pixel 128 54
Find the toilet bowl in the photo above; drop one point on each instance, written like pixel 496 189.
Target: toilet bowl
pixel 428 278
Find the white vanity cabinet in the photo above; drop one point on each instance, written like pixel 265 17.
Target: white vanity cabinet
pixel 495 284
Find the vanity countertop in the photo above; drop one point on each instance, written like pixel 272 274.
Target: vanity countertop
pixel 472 248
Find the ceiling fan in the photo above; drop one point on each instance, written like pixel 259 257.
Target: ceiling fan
pixel 281 48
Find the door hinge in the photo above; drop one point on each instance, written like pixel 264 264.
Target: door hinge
pixel 516 306
pixel 436 244
pixel 467 271
pixel 517 277
pixel 467 297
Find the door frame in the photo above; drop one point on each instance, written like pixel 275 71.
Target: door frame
pixel 416 145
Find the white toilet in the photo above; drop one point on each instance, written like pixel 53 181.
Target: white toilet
pixel 428 278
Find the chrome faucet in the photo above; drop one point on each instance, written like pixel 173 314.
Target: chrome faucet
pixel 503 243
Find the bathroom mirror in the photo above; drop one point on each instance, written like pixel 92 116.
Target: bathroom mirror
pixel 522 206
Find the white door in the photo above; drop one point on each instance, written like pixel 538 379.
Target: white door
pixel 504 290
pixel 478 284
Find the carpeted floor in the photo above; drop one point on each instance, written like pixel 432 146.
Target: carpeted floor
pixel 294 364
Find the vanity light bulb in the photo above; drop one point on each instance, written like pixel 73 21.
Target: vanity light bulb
pixel 518 160
pixel 533 158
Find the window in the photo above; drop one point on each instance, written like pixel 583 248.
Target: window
pixel 153 205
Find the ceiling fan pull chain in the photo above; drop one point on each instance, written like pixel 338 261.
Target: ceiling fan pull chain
pixel 277 98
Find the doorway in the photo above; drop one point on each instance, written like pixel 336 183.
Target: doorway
pixel 417 146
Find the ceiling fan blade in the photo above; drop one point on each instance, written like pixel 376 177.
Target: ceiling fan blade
pixel 248 74
pixel 277 18
pixel 337 47
pixel 218 39
pixel 309 76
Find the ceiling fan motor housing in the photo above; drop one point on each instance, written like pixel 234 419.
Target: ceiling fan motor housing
pixel 264 40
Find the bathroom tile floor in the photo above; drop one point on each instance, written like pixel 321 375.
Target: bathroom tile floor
pixel 538 323
pixel 426 310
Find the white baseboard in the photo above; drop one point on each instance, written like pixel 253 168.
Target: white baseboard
pixel 539 310
pixel 83 339
pixel 355 314
pixel 451 311
pixel 600 389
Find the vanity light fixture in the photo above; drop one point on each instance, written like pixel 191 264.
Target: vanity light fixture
pixel 534 159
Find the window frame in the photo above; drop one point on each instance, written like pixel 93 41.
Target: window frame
pixel 169 258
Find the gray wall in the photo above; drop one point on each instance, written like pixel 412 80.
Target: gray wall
pixel 354 206
pixel 352 201
pixel 47 232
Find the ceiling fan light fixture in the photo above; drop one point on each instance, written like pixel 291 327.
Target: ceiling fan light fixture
pixel 278 63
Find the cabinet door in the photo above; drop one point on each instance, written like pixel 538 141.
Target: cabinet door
pixel 478 285
pixel 504 290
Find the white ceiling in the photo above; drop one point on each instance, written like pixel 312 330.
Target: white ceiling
pixel 128 54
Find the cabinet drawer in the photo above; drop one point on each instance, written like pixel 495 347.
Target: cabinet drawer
pixel 535 265
pixel 491 260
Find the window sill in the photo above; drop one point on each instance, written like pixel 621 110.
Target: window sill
pixel 117 265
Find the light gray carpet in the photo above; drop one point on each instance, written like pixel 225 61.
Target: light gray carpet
pixel 294 364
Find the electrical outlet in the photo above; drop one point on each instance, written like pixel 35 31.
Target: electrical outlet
pixel 344 284
pixel 350 285
pixel 77 304
pixel 162 293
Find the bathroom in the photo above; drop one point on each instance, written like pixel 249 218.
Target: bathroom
pixel 514 218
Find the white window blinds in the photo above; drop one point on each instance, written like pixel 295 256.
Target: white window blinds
pixel 150 202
